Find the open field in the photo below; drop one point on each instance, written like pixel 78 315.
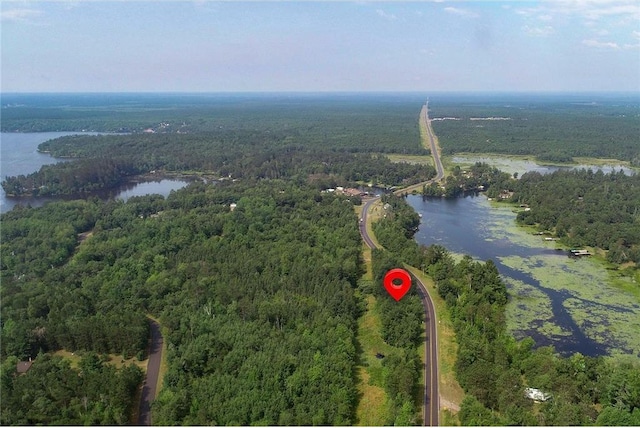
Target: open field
pixel 115 360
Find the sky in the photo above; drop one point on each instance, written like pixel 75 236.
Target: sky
pixel 313 46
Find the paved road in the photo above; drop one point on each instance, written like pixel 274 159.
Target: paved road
pixel 151 378
pixel 433 145
pixel 431 395
pixel 431 392
pixel 363 223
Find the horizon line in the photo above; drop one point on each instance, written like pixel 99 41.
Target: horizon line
pixel 475 91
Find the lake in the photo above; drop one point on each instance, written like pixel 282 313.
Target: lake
pixel 19 155
pixel 512 165
pixel 560 301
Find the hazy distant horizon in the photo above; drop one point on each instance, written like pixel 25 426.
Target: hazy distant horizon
pixel 367 92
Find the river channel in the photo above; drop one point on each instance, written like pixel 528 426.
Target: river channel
pixel 560 301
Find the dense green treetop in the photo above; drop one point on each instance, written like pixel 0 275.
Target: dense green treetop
pixel 54 393
pixel 585 208
pixel 257 302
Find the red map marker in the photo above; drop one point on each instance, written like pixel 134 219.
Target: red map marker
pixel 397 291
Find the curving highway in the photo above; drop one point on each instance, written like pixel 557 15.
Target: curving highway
pixel 431 394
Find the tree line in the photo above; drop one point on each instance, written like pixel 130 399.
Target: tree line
pixel 585 208
pixel 103 162
pixel 479 177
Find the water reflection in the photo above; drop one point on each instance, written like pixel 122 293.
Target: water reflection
pixel 161 187
pixel 525 165
pixel 556 300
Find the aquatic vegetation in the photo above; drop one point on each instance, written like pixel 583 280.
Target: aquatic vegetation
pixel 605 314
pixel 554 298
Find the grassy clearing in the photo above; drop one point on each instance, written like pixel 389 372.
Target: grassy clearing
pixel 373 406
pixel 375 214
pixel 112 359
pixel 412 159
pixel 451 393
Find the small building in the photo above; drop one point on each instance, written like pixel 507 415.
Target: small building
pixel 579 253
pixel 352 192
pixel 24 366
pixel 505 194
pixel 536 395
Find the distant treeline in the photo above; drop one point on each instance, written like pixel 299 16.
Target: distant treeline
pixel 552 129
pixel 107 161
pixel 332 145
pixel 364 123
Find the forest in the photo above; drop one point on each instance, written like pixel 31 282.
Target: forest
pixel 553 128
pixel 258 301
pixel 479 177
pixel 107 161
pixel 354 122
pixel 53 392
pixel 585 208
